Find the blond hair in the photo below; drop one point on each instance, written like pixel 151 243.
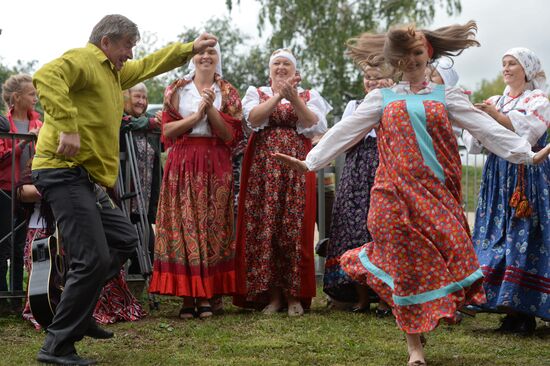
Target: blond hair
pixel 394 46
pixel 12 86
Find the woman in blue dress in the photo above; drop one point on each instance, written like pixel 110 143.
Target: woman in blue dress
pixel 511 233
pixel 349 215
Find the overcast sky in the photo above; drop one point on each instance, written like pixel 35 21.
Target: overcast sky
pixel 43 30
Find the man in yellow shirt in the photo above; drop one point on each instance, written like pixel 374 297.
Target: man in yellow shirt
pixel 77 153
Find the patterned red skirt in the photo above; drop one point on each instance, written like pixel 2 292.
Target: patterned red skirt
pixel 195 246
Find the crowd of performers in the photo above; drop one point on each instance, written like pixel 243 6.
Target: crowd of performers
pixel 398 229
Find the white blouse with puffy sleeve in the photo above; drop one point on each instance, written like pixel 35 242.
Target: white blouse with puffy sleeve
pixel 529 114
pixel 353 128
pixel 317 104
pixel 190 99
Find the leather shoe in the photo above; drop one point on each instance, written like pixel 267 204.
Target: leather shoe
pixel 95 331
pixel 69 359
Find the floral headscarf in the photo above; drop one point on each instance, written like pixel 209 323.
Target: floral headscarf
pixel 531 65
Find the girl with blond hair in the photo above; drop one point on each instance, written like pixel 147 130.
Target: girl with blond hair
pixel 421 260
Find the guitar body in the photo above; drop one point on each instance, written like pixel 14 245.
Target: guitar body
pixel 46 280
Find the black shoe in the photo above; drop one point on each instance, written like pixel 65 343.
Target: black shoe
pixel 526 325
pixel 383 313
pixel 95 331
pixel 361 310
pixel 70 359
pixel 509 324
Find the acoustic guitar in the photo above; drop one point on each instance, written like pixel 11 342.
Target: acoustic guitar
pixel 46 280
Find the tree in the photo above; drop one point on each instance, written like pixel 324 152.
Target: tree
pixel 242 65
pixel 317 32
pixel 488 88
pixel 156 85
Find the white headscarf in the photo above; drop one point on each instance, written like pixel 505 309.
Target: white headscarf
pixel 191 67
pixel 284 54
pixel 444 67
pixel 531 66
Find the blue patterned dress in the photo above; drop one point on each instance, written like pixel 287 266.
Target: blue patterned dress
pixel 514 252
pixel 349 214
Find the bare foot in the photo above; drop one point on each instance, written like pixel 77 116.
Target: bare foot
pixel 295 309
pixel 416 351
pixel 271 309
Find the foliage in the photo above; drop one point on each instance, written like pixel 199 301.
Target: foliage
pixel 320 337
pixel 488 88
pixel 242 65
pixel 317 32
pixel 156 85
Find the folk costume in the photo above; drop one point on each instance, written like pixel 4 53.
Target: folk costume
pixel 511 234
pixel 349 214
pixel 276 215
pixel 195 244
pixel 421 260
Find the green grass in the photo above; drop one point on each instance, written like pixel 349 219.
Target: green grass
pixel 321 337
pixel 471 180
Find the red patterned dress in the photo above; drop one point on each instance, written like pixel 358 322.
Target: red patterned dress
pixel 276 215
pixel 421 260
pixel 195 246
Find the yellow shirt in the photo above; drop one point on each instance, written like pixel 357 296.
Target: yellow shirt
pixel 81 91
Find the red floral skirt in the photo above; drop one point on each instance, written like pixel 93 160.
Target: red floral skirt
pixel 195 246
pixel 276 221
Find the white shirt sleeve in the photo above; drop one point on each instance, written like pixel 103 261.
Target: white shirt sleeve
pixel 535 121
pixel 496 138
pixel 250 100
pixel 473 146
pixel 346 133
pixel 320 107
pixel 350 108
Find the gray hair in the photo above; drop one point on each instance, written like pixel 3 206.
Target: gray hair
pixel 139 87
pixel 114 27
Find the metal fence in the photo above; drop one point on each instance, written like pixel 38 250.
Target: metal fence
pixel 9 238
pixel 472 167
pixel 129 181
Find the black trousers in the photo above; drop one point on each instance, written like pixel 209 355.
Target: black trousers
pixel 97 239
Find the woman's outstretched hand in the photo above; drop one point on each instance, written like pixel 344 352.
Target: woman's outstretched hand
pixel 293 163
pixel 541 155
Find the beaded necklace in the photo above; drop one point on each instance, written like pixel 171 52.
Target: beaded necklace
pixel 501 104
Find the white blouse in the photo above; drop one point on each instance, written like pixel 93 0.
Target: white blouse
pixel 317 104
pixel 529 113
pixel 462 113
pixel 190 99
pixel 350 108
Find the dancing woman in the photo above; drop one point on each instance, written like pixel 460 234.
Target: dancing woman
pixel 421 260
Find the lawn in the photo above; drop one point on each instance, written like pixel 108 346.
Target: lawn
pixel 471 180
pixel 321 337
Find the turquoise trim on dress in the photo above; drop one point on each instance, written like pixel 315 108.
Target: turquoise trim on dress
pixel 439 293
pixel 365 261
pixel 417 115
pixel 418 298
